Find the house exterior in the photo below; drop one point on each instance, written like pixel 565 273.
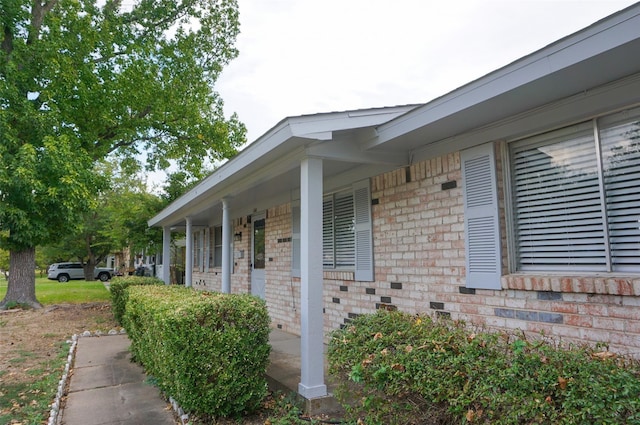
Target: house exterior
pixel 512 202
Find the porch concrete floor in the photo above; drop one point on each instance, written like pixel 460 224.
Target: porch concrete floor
pixel 283 372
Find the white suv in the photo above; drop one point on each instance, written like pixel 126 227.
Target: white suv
pixel 63 272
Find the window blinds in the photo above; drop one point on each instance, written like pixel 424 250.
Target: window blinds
pixel 620 138
pixel 576 204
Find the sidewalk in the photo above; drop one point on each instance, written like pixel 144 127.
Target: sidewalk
pixel 106 388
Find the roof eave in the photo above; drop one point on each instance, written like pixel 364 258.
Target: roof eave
pixel 568 59
pixel 286 136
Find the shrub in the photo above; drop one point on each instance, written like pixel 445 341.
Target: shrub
pixel 209 351
pixel 118 294
pixel 398 368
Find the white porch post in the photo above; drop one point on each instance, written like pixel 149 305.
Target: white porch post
pixel 311 343
pixel 188 266
pixel 226 248
pixel 166 255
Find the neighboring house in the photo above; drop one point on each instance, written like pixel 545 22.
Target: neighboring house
pixel 511 202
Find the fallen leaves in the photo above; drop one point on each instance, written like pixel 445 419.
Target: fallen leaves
pixel 602 355
pixel 562 383
pixel 472 415
pixel 398 367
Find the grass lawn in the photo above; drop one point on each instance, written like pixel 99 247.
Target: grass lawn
pixel 76 291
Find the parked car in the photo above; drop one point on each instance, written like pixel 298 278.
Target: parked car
pixel 64 272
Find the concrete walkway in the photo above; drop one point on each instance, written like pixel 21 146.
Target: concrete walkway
pixel 283 372
pixel 106 388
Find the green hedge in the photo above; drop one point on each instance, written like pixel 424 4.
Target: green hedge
pixel 397 368
pixel 118 294
pixel 209 351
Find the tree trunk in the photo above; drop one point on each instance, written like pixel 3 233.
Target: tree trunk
pixel 22 279
pixel 91 263
pixel 89 268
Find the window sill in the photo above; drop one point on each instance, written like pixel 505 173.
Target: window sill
pixel 339 275
pixel 345 275
pixel 595 284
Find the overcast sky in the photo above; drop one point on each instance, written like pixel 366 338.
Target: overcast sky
pixel 308 56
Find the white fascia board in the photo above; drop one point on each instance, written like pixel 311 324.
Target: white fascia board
pixel 240 162
pixel 607 34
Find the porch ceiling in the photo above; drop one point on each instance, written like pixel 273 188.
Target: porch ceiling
pixel 258 194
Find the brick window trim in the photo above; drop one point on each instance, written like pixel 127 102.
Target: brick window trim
pixel 339 275
pixel 602 285
pixel 333 275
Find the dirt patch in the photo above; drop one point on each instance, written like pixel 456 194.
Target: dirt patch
pixel 29 338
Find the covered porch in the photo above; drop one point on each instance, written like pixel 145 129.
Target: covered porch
pixel 292 167
pixel 283 373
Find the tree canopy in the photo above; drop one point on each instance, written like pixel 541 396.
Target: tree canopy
pixel 117 221
pixel 84 79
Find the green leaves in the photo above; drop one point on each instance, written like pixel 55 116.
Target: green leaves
pixel 397 364
pixel 83 79
pixel 119 295
pixel 42 189
pixel 90 79
pixel 209 351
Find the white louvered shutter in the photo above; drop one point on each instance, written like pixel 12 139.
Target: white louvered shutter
pixel 328 256
pixel 295 240
pixel 363 231
pixel 207 249
pixel 481 222
pixel 201 250
pixel 345 244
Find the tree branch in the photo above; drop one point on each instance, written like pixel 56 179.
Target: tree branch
pixel 111 7
pixel 106 58
pixel 150 25
pixel 38 12
pixel 7 41
pixel 111 133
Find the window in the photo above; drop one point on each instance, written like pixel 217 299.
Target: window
pixel 338 231
pixel 259 252
pixel 346 232
pixel 215 247
pixel 198 247
pixel 575 197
